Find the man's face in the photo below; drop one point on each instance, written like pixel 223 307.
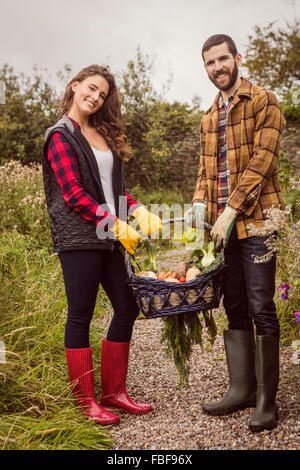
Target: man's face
pixel 222 68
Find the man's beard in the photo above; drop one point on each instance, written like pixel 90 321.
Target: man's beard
pixel 232 79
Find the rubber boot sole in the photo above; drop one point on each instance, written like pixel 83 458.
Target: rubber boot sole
pixel 122 410
pixel 262 427
pixel 242 406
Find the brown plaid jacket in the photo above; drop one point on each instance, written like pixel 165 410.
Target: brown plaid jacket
pixel 254 126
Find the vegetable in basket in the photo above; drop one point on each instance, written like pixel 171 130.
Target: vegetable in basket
pixel 193 236
pixel 192 273
pixel 151 251
pixel 148 264
pixel 149 274
pixel 208 257
pixel 189 235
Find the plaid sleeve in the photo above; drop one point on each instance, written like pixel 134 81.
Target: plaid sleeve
pixel 200 193
pixel 131 202
pixel 64 164
pixel 249 201
pixel 269 124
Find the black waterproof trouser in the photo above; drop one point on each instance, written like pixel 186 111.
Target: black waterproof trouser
pixel 83 271
pixel 249 287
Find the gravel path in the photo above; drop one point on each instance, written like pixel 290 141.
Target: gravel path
pixel 178 421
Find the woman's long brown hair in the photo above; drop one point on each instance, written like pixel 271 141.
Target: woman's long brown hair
pixel 108 119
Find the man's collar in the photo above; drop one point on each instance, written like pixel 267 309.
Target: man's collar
pixel 221 101
pixel 245 89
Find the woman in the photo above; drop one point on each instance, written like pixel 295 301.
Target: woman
pixel 83 160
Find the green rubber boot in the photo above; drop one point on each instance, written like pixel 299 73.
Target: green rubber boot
pixel 240 354
pixel 267 375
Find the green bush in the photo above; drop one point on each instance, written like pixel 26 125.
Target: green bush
pixel 289 185
pixel 291 111
pixel 23 204
pixel 31 106
pixel 287 248
pixel 159 196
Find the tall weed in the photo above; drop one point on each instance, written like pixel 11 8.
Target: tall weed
pixel 22 202
pixel 36 406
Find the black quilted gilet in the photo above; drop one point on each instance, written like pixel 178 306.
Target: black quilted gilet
pixel 70 231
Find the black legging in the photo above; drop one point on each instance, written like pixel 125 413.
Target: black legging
pixel 83 270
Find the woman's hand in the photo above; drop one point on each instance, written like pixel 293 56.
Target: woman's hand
pixel 126 235
pixel 148 222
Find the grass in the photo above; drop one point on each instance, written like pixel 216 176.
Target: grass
pixel 37 410
pixel 64 430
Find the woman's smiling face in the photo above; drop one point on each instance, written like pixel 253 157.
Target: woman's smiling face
pixel 89 94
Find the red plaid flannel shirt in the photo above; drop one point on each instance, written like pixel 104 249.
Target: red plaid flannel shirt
pixel 64 164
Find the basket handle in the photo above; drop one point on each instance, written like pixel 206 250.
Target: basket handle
pixel 181 219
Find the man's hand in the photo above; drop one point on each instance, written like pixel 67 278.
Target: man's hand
pixel 195 216
pixel 221 230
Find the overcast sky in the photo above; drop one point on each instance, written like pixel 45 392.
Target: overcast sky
pixel 51 33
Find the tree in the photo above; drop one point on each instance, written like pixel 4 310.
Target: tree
pixel 31 105
pixel 273 57
pixel 155 127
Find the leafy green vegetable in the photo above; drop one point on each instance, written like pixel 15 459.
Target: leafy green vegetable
pixel 214 265
pixel 189 235
pixel 180 333
pixel 208 257
pixel 149 263
pixel 193 235
pixel 151 252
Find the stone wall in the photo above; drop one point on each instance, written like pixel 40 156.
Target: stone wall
pixel 184 161
pixel 182 165
pixel 290 143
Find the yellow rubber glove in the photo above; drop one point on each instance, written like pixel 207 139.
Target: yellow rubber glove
pixel 222 228
pixel 149 223
pixel 126 235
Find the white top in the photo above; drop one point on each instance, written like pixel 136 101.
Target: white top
pixel 105 161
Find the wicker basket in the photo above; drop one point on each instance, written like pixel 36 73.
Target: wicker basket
pixel 158 298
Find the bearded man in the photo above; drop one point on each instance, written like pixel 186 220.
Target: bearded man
pixel 237 181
